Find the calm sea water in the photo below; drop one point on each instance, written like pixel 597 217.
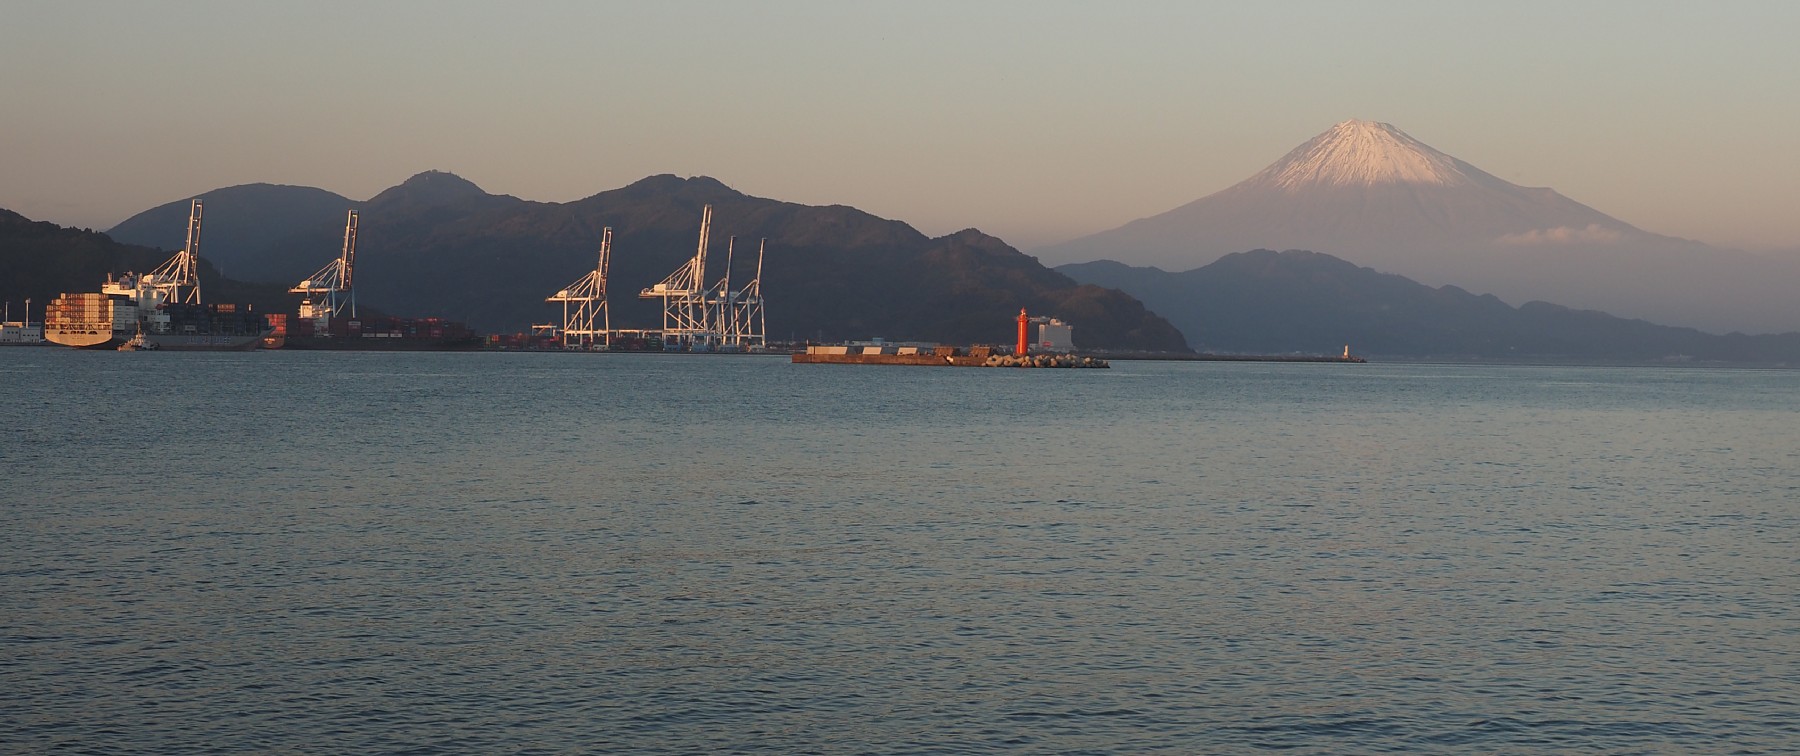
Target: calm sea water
pixel 422 553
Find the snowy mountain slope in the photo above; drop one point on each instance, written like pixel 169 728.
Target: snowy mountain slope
pixel 1364 153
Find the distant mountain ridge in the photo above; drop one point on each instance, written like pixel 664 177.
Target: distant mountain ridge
pixel 1372 194
pixel 239 225
pixel 437 244
pixel 1255 302
pixel 429 188
pixel 1298 301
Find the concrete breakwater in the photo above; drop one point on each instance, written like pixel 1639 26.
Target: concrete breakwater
pixel 1043 361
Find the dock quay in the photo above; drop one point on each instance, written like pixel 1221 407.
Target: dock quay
pixel 939 356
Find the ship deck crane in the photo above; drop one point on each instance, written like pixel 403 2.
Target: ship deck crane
pixel 584 303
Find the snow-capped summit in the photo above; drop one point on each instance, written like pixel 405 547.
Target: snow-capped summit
pixel 1367 192
pixel 1356 153
pixel 1372 194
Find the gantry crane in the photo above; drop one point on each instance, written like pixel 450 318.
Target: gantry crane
pixel 684 295
pixel 329 291
pixel 735 316
pixel 180 272
pixel 748 327
pixel 584 302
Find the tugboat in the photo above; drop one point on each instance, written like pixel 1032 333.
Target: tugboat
pixel 138 343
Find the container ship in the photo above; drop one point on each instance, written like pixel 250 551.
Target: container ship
pixel 109 319
pixel 380 333
pixel 161 309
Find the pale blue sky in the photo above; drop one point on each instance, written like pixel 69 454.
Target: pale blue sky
pixel 1034 121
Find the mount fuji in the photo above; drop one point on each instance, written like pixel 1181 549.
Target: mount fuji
pixel 1372 194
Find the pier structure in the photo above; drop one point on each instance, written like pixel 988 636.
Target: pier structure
pixel 587 321
pixel 327 293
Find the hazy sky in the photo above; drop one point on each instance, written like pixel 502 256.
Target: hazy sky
pixel 1034 121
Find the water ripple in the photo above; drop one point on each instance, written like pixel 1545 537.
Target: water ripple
pixel 1160 558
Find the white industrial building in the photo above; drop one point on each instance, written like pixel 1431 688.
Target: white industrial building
pixel 1054 336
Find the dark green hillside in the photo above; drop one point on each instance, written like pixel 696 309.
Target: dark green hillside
pixel 40 260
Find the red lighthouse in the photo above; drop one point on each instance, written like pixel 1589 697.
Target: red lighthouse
pixel 1024 337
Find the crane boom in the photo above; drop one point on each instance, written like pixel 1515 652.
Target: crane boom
pixel 349 256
